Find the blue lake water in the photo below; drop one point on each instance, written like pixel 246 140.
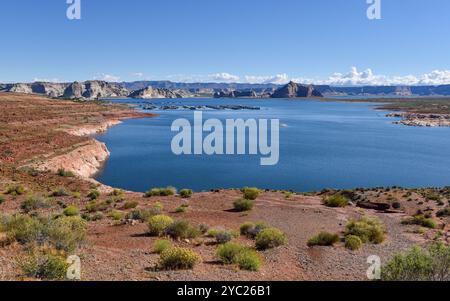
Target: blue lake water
pixel 323 145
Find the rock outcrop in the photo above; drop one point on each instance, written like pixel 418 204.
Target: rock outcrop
pixel 294 90
pixel 93 90
pixel 235 94
pixel 150 93
pixel 88 90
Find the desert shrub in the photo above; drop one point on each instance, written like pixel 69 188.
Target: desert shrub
pixel 168 191
pixel 418 264
pixel 336 200
pixel 270 238
pixel 431 195
pixel 179 258
pixel 2 199
pixel 225 236
pixel 60 192
pixel 248 260
pixel 22 228
pixel 94 194
pixel 441 213
pixel 44 265
pixel 250 193
pixel 251 230
pixel 161 245
pixel 76 194
pixel 158 224
pixel 97 216
pixel 130 205
pixel 71 211
pixel 67 233
pixel 396 205
pixel 243 205
pixel 203 228
pixel 94 206
pixel 353 242
pixel 116 215
pixel 140 215
pixel 323 239
pixel 119 193
pixel 212 233
pixel 15 190
pixel 186 193
pixel 182 208
pixel 64 173
pixel 34 203
pixel 228 252
pixel 421 221
pixel 369 230
pixel 182 229
pixel 157 209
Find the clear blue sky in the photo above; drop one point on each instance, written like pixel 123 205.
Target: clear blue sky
pixel 165 38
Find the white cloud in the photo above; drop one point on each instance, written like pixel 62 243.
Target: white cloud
pixel 276 79
pixel 224 77
pixel 46 80
pixel 107 77
pixel 368 77
pixel 436 77
pixel 137 74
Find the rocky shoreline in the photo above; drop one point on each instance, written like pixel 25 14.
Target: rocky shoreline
pixel 421 120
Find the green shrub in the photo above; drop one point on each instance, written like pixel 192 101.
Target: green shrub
pixel 15 190
pixel 336 200
pixel 243 205
pixel 250 193
pixel 182 208
pixel 44 266
pixel 71 211
pixel 441 213
pixel 270 238
pixel 353 242
pixel 421 221
pixel 34 203
pixel 251 230
pixel 67 233
pixel 97 216
pixel 186 193
pixel 157 209
pixel 182 229
pixel 22 228
pixel 94 206
pixel 396 205
pixel 94 194
pixel 179 258
pixel 76 195
pixel 140 215
pixel 369 230
pixel 2 199
pixel 161 245
pixel 224 236
pixel 418 264
pixel 168 191
pixel 245 258
pixel 64 173
pixel 248 260
pixel 228 252
pixel 116 215
pixel 119 193
pixel 323 239
pixel 158 224
pixel 130 205
pixel 61 192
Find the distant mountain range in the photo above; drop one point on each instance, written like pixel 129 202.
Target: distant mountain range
pixel 95 89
